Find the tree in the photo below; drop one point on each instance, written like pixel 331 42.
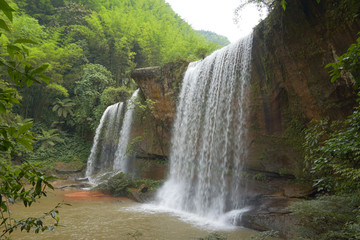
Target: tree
pixel 13 179
pixel 63 107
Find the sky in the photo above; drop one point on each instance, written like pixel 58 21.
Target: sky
pixel 216 16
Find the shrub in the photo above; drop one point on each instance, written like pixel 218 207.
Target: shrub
pixel 328 217
pixel 119 184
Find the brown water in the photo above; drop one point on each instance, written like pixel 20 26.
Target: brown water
pixel 109 218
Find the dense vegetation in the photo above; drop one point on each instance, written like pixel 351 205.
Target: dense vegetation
pixel 90 48
pixel 332 158
pixel 15 134
pixel 214 38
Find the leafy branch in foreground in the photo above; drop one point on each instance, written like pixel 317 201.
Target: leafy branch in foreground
pixel 13 182
pixel 15 179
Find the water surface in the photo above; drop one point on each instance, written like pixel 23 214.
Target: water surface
pixel 109 218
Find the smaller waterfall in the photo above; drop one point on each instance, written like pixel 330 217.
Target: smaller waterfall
pixel 121 161
pixel 109 149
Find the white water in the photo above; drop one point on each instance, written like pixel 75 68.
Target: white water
pixel 121 161
pixel 109 113
pixel 111 139
pixel 209 137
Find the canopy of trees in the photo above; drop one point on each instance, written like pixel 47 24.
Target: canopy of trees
pixel 88 43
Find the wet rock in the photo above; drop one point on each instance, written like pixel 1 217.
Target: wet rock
pixel 270 213
pixel 83 179
pixel 298 190
pixel 143 188
pixel 139 196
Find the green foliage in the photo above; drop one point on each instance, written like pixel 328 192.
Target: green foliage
pixel 70 14
pixel 13 182
pixel 14 179
pixel 91 47
pixel 347 65
pixel 265 235
pixel 328 217
pixel 57 90
pixel 268 4
pixel 119 184
pixel 332 154
pixel 63 107
pixel 49 139
pixel 109 96
pixel 260 177
pixel 58 146
pixel 214 38
pixel 214 236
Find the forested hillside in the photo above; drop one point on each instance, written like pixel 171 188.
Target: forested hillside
pixel 214 38
pixel 90 47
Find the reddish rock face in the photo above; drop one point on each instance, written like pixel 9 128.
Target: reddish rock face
pixel 161 85
pixel 290 84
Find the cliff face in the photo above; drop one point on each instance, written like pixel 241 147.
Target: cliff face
pixel 290 85
pixel 160 87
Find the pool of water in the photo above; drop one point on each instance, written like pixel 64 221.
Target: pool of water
pixel 115 218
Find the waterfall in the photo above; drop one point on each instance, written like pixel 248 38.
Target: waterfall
pixel 121 161
pixel 112 136
pixel 208 147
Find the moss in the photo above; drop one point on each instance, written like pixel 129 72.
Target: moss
pixel 120 184
pixel 175 71
pixel 346 11
pixel 260 177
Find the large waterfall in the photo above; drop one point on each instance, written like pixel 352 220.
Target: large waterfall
pixel 209 136
pixel 109 149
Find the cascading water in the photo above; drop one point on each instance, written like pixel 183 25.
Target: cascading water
pixel 209 135
pixel 121 161
pixel 112 136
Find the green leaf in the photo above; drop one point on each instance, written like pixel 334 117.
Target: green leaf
pixel 12 49
pixel 26 143
pixel 29 82
pixel 45 78
pixel 4 6
pixel 25 40
pixel 55 108
pixel 40 69
pixel 24 128
pixel 2 108
pixel 283 4
pixel 14 100
pixel 38 187
pixel 4 26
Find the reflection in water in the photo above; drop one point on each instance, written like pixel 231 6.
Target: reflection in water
pixel 112 219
